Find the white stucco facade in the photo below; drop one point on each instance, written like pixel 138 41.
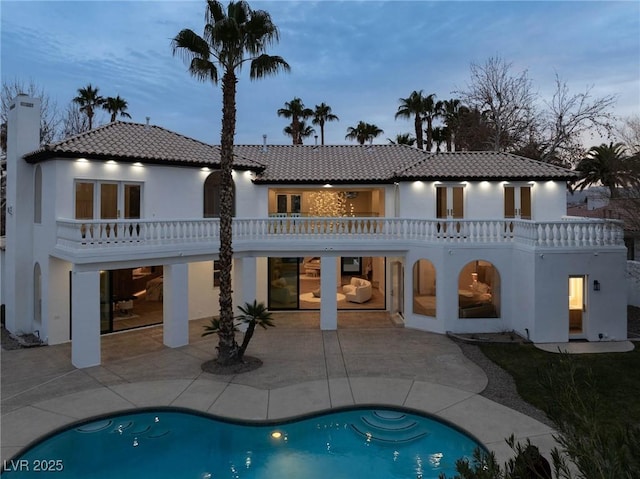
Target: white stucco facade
pixel 51 275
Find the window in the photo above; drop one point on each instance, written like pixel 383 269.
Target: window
pixel 479 290
pixel 212 196
pixel 450 202
pixel 424 288
pixel 108 200
pixel 84 201
pixel 517 202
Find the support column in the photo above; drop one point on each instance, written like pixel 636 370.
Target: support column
pixel 85 319
pixel 328 289
pixel 175 305
pixel 244 286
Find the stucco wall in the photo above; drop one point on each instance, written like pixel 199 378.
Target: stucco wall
pixel 483 199
pixel 203 296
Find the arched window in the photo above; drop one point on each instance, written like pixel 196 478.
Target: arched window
pixel 37 195
pixel 212 195
pixel 424 288
pixel 479 290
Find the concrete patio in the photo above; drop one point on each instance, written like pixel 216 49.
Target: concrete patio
pixel 305 370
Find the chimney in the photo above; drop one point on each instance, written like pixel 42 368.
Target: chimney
pixel 316 138
pixel 264 143
pixel 146 127
pixel 23 136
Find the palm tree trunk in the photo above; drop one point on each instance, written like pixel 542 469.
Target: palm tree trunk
pixel 429 133
pixel 247 337
pixel 418 127
pixel 227 346
pixel 322 133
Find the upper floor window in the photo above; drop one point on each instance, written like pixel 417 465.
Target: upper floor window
pixel 213 196
pixel 517 202
pixel 450 202
pixel 107 200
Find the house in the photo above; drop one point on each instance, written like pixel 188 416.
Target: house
pixel 120 223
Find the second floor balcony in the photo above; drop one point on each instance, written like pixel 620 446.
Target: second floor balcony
pixel 255 234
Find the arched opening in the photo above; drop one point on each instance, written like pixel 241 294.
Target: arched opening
pixel 37 195
pixel 37 298
pixel 424 288
pixel 479 290
pixel 213 194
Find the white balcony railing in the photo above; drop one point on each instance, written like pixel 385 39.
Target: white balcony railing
pixel 84 234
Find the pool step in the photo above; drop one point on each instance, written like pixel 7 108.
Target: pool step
pixel 390 427
pixel 143 429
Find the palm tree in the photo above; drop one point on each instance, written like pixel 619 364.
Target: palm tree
pixel 321 115
pixel 403 139
pixel 451 113
pixel 88 99
pixel 230 40
pixel 295 110
pixel 363 132
pixel 440 135
pixel 253 314
pixel 115 105
pixel 304 131
pixel 415 104
pixel 610 166
pixel 432 109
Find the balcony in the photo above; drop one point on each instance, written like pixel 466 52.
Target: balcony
pixel 89 238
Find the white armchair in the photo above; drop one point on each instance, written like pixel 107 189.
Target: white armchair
pixel 358 290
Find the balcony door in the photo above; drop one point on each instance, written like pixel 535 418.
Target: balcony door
pixel 450 202
pixel 107 200
pixel 517 202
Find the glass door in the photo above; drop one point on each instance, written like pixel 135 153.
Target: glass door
pixel 106 302
pixel 577 304
pixel 397 288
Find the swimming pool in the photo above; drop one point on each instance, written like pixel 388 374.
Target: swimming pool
pixel 374 443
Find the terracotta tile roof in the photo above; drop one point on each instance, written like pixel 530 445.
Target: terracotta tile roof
pixel 483 165
pixel 127 141
pixel 330 163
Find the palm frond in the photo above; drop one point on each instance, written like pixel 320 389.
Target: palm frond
pixel 266 65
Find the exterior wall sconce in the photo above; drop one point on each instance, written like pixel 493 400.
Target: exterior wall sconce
pixel 596 285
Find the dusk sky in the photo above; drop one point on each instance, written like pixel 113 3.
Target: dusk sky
pixel 359 57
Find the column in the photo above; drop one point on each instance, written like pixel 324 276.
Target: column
pixel 328 289
pixel 85 319
pixel 175 305
pixel 244 281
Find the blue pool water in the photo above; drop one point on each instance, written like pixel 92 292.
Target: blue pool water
pixel 356 443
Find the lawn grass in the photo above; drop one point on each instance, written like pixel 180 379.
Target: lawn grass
pixel 615 378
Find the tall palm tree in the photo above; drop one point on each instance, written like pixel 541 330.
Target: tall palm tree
pixel 403 139
pixel 231 39
pixel 89 99
pixel 321 115
pixel 414 105
pixel 451 114
pixel 363 132
pixel 115 105
pixel 610 166
pixel 303 131
pixel 439 136
pixel 432 110
pixel 295 110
